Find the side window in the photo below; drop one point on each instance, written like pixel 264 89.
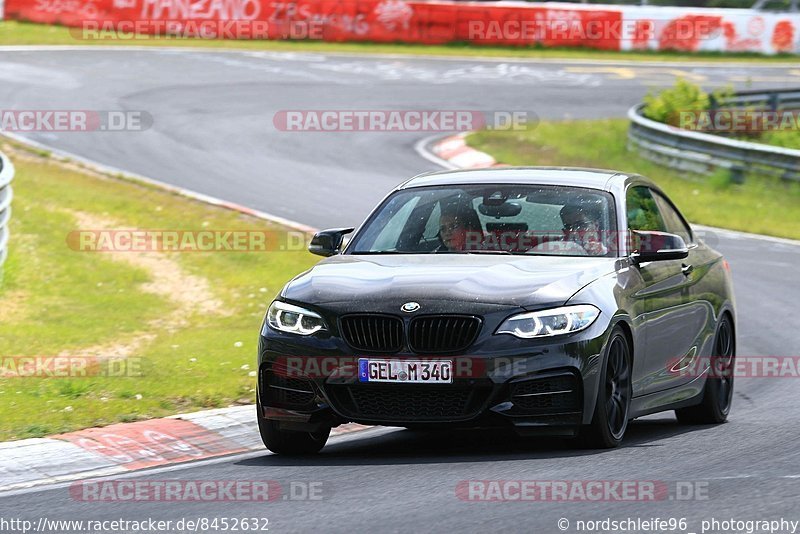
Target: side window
pixel 642 210
pixel 673 220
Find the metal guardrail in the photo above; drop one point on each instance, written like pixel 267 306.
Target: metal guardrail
pixel 6 175
pixel 773 100
pixel 704 153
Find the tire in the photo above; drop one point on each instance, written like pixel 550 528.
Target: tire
pixel 289 442
pixel 612 408
pixel 718 391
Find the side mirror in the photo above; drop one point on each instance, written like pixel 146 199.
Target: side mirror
pixel 328 242
pixel 657 246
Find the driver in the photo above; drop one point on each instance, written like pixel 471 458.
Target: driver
pixel 455 233
pixel 582 226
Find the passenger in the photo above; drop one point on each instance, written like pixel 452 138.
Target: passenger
pixel 582 226
pixel 456 234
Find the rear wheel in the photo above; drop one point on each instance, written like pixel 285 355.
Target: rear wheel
pixel 718 392
pixel 610 418
pixel 290 442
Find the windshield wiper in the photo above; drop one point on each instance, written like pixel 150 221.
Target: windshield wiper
pixel 479 251
pixel 508 252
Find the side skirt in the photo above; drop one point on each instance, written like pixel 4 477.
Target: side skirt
pixel 670 399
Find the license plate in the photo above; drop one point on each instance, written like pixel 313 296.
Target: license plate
pixel 408 371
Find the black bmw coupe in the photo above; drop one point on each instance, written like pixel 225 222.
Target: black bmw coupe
pixel 550 301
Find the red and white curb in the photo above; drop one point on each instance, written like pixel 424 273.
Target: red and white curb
pixel 125 447
pixel 455 151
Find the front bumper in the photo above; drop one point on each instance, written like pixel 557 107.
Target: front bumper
pixel 544 386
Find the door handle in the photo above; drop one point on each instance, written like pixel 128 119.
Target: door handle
pixel 687 269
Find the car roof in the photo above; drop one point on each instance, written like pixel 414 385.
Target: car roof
pixel 567 176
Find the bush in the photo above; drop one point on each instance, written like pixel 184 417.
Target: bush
pixel 667 105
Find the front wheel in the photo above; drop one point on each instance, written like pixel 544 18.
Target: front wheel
pixel 610 418
pixel 290 442
pixel 718 392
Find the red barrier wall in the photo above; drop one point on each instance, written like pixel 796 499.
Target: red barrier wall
pixel 346 20
pixel 443 21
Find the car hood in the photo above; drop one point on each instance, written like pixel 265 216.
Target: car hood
pixel 487 279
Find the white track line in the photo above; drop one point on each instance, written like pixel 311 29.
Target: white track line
pixel 420 147
pixel 409 55
pixel 134 177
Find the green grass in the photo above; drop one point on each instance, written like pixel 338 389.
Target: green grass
pixel 760 205
pixel 55 300
pixel 785 139
pixel 25 33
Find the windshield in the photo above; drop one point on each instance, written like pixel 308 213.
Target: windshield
pixel 501 219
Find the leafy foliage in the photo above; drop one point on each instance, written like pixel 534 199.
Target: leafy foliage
pixel 685 96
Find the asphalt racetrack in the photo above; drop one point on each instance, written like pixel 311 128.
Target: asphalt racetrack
pixel 213 132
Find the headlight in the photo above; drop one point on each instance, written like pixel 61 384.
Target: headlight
pixel 552 322
pixel 294 319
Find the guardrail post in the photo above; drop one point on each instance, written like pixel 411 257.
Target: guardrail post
pixel 737 174
pixel 6 175
pixel 774 101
